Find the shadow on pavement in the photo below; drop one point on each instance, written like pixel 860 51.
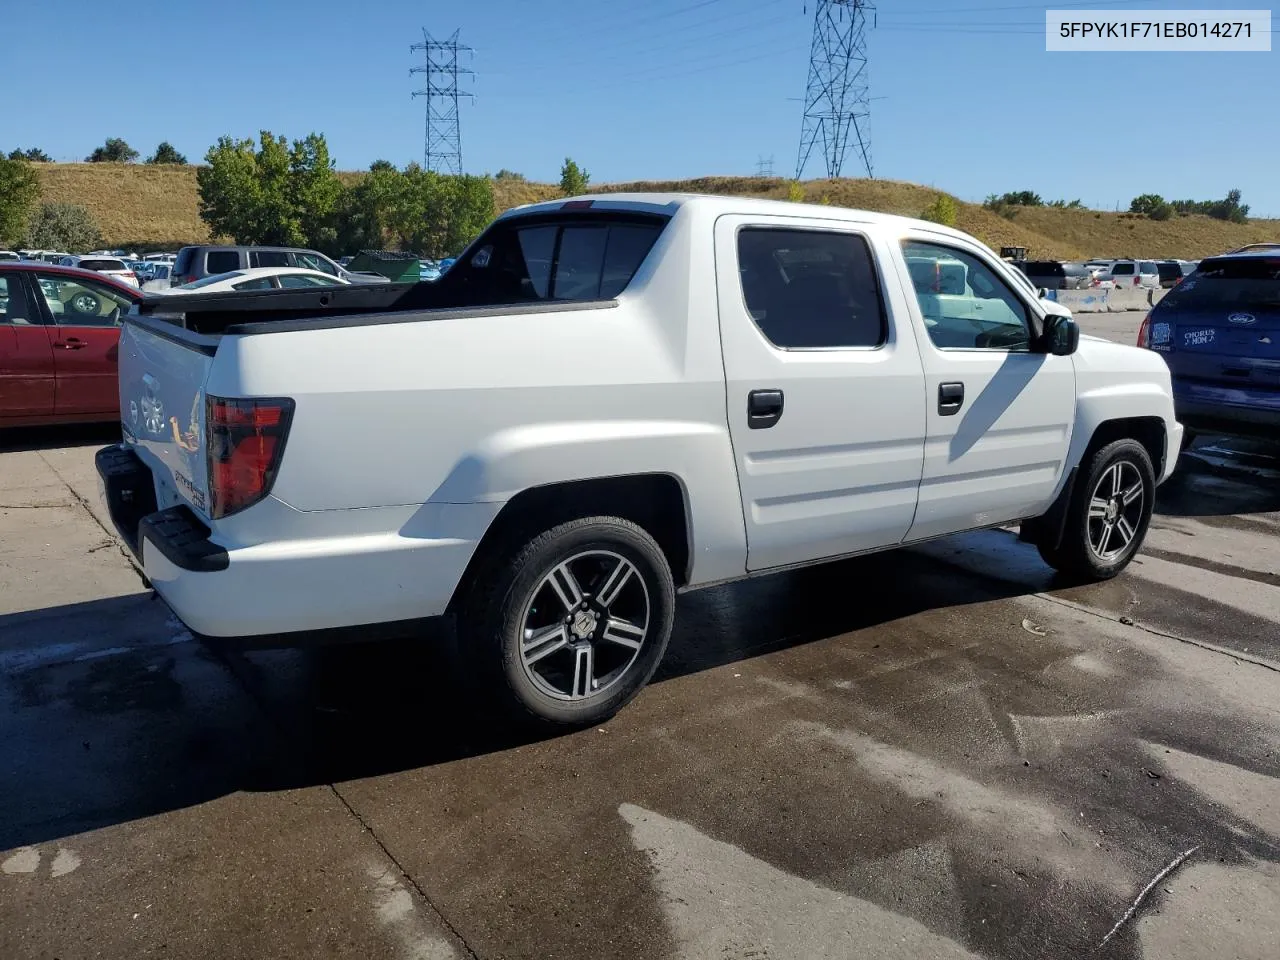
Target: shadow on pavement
pixel 15 439
pixel 113 713
pixel 1222 476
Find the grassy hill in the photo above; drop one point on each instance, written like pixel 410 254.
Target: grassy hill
pixel 139 204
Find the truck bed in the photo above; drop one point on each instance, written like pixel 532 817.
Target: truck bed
pixel 282 311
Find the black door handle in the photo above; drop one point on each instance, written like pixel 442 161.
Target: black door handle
pixel 764 408
pixel 950 398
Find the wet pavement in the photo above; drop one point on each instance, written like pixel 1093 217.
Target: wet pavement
pixel 939 752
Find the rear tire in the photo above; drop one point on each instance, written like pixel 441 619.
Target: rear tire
pixel 571 626
pixel 1109 514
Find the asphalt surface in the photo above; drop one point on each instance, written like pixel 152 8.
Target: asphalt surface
pixel 938 752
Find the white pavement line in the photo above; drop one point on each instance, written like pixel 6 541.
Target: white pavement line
pixel 1178 861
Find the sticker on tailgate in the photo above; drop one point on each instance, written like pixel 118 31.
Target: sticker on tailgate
pixel 1195 338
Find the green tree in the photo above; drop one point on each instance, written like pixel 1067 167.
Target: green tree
pixel 795 191
pixel 365 212
pixel 19 191
pixel 166 153
pixel 573 179
pixel 1022 198
pixel 314 191
pixel 34 154
pixel 943 210
pixel 505 174
pixel 114 150
pixel 271 192
pixel 1146 203
pixel 63 226
pixel 438 215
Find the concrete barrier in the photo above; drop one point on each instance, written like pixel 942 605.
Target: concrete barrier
pixel 1098 300
pixel 1128 298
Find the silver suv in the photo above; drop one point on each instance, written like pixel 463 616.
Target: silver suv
pixel 1134 273
pixel 206 260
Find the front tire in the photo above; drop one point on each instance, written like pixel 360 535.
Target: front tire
pixel 571 627
pixel 1109 514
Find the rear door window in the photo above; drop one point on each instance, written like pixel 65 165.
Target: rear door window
pixel 313 261
pixel 13 303
pixel 811 289
pixel 222 261
pixel 1148 266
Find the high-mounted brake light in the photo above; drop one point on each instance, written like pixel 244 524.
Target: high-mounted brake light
pixel 245 441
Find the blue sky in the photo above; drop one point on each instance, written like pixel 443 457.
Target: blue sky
pixel 971 103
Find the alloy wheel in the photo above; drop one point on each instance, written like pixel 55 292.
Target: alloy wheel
pixel 1115 510
pixel 585 625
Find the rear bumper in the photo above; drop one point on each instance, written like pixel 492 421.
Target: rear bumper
pixel 296 587
pixel 1233 411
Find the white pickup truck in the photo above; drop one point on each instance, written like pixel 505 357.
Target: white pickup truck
pixel 608 401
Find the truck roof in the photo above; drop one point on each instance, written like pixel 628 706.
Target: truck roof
pixel 669 203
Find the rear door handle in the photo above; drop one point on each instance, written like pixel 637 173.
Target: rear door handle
pixel 950 398
pixel 72 343
pixel 764 408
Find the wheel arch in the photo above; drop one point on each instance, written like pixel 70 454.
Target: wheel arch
pixel 657 502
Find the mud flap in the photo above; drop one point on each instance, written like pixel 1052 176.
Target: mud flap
pixel 1046 529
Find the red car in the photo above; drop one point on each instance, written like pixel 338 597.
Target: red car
pixel 59 340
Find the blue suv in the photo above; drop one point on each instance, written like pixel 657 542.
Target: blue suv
pixel 1219 331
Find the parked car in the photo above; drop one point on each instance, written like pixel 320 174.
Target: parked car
pixel 1172 272
pixel 1219 331
pixel 9 255
pixel 265 278
pixel 59 328
pixel 355 456
pixel 1135 273
pixel 1258 247
pixel 107 266
pixel 198 262
pixel 1057 274
pixel 157 279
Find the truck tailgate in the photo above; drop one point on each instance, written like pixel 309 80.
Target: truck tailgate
pixel 163 370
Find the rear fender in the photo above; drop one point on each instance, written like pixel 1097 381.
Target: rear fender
pixel 698 455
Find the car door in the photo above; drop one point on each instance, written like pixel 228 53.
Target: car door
pixel 999 410
pixel 824 385
pixel 85 316
pixel 26 353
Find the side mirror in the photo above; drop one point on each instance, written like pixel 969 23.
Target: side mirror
pixel 1042 293
pixel 1061 335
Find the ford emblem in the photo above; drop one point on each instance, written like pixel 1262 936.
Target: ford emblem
pixel 1243 319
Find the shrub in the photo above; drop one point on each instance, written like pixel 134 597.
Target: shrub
pixel 943 210
pixel 63 226
pixel 795 192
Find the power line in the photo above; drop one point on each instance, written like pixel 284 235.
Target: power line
pixel 764 167
pixel 837 98
pixel 442 136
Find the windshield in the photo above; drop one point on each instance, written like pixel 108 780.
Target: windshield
pixel 1229 283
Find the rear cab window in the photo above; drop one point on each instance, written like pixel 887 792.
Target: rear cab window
pixel 556 258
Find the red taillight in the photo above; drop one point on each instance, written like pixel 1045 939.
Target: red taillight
pixel 1144 332
pixel 245 440
pixel 1137 281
